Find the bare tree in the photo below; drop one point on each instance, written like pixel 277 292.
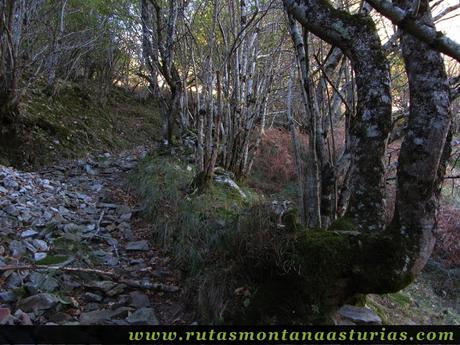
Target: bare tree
pixel 10 36
pixel 159 40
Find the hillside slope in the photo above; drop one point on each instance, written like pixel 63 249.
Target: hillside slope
pixel 73 123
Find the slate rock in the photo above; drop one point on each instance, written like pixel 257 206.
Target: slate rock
pixel 92 297
pixel 40 245
pixel 121 301
pixel 138 246
pixel 126 217
pixel 30 246
pixel 227 181
pixel 5 316
pixel 139 300
pixel 14 280
pixel 91 307
pixel 69 284
pixel 96 317
pixel 105 285
pixel 102 316
pixel 39 256
pixel 29 233
pixel 17 249
pixel 359 315
pixel 110 260
pixel 71 227
pixel 143 316
pixel 107 205
pixel 42 282
pixel 7 297
pixel 117 290
pixel 12 210
pixel 60 318
pixel 10 183
pixel 42 301
pixel 89 170
pixel 22 318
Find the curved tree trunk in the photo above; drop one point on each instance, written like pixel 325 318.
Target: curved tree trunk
pixel 425 150
pixel 357 36
pixel 386 261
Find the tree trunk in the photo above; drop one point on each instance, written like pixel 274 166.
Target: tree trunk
pixel 370 261
pixel 150 45
pixel 297 153
pixel 425 150
pixel 357 36
pixel 312 181
pixel 54 54
pixel 8 64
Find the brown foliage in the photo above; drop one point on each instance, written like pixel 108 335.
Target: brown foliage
pixel 448 235
pixel 274 163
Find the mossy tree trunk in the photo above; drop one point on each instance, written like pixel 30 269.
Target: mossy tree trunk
pixel 426 146
pixel 357 36
pixel 376 259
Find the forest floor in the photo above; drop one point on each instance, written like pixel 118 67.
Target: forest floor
pixel 86 256
pixel 84 252
pixel 83 223
pixel 75 122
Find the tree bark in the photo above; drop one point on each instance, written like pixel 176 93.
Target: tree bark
pixel 150 45
pixel 408 22
pixel 160 44
pixel 8 64
pixel 312 194
pixel 357 36
pixel 426 146
pixel 387 261
pixel 297 153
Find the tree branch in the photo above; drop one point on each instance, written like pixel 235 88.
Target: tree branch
pixel 446 11
pixel 429 35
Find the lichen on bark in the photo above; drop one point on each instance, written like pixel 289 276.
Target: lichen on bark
pixel 357 36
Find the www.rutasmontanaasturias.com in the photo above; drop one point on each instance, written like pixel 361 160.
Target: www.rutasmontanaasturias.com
pixel 285 335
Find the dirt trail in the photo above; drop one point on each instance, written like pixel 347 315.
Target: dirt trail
pixel 80 223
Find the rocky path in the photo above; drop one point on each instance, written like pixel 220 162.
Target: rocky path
pixel 74 249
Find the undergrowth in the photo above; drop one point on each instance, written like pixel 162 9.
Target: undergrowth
pixel 191 227
pixel 186 224
pixel 241 261
pixel 242 264
pixel 74 122
pixel 274 165
pixel 425 302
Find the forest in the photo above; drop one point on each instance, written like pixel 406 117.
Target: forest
pixel 263 162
